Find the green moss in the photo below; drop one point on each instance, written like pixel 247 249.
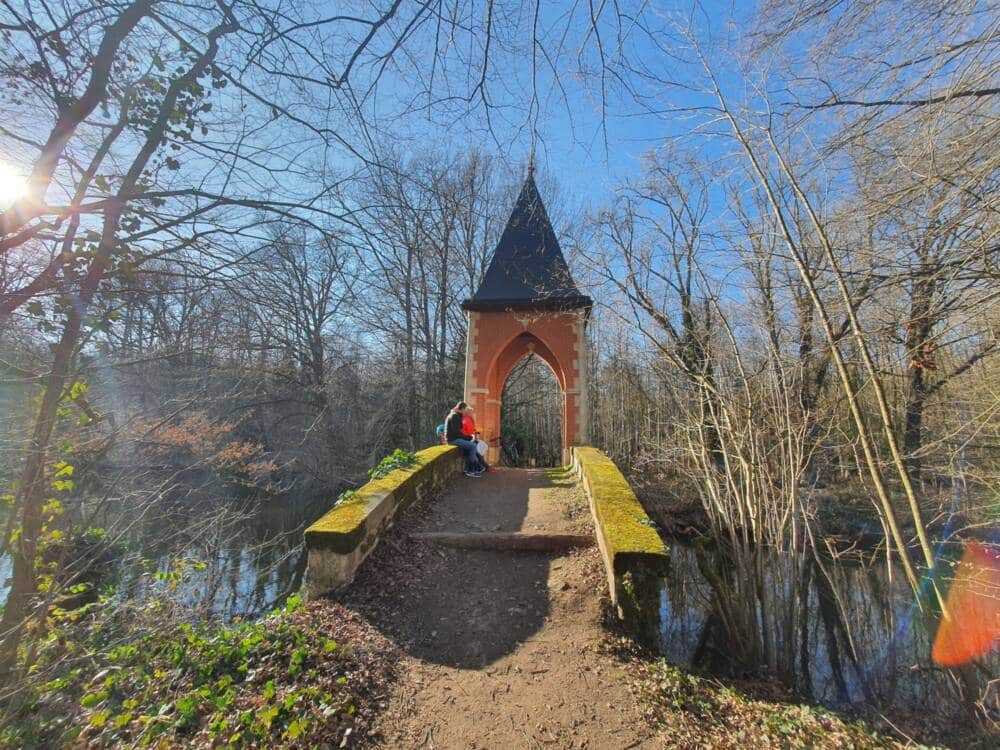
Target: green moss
pixel 564 476
pixel 627 529
pixel 635 552
pixel 343 527
pixel 344 517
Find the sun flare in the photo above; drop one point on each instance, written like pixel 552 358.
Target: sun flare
pixel 12 185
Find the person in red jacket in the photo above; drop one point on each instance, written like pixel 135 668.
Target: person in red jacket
pixel 469 428
pixel 457 436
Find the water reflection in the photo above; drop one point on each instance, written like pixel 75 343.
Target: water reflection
pixel 843 633
pixel 249 558
pixel 240 556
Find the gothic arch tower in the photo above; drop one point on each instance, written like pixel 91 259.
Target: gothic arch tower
pixel 527 304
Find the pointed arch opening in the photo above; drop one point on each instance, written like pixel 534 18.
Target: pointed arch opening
pixel 531 415
pixel 529 382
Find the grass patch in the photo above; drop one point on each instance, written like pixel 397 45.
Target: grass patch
pixel 565 491
pixel 563 476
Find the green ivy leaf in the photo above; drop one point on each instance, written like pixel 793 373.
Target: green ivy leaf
pixel 297 728
pixel 268 715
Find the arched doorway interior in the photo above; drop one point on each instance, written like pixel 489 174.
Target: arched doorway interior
pixel 531 415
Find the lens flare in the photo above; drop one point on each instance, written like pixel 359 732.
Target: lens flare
pixel 13 185
pixel 972 627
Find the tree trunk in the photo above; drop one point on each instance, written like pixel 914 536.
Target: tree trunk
pixel 30 498
pixel 918 351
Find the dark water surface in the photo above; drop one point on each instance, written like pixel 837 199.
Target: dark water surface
pixel 842 633
pixel 240 557
pixel 249 562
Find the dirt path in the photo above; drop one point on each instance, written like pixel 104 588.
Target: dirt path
pixel 500 646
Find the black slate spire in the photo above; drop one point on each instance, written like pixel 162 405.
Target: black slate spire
pixel 528 269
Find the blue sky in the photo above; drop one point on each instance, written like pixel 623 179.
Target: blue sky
pixel 586 151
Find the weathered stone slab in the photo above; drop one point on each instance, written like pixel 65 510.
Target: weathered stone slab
pixel 521 541
pixel 340 541
pixel 635 556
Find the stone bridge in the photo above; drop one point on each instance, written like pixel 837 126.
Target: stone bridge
pixel 513 512
pixel 526 306
pixel 481 580
pixel 495 592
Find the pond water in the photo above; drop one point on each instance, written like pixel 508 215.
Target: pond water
pixel 843 633
pixel 244 562
pixel 241 557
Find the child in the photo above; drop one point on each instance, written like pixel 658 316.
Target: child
pixel 469 428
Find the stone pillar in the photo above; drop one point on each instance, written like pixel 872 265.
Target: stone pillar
pixel 486 405
pixel 575 393
pixel 582 363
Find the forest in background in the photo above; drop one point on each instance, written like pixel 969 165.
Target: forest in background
pixel 230 288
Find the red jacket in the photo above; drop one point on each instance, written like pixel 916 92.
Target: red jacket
pixel 468 425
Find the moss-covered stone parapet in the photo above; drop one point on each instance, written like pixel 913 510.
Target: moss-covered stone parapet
pixel 340 541
pixel 634 554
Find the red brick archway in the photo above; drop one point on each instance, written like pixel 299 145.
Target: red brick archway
pixel 499 340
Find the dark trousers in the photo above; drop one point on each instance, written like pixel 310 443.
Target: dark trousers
pixel 471 455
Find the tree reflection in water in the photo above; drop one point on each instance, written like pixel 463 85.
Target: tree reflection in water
pixel 249 552
pixel 842 633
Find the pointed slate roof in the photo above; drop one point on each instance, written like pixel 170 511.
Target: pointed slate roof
pixel 528 270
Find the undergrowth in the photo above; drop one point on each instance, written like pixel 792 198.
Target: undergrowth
pixel 283 681
pixel 696 711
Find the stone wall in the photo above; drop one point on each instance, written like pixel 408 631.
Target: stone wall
pixel 635 556
pixel 340 541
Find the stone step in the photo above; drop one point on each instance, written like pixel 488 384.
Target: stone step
pixel 510 540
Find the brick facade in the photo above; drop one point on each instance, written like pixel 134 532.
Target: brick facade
pixel 497 341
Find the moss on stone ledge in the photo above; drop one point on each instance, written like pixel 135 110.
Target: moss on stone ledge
pixel 627 530
pixel 343 527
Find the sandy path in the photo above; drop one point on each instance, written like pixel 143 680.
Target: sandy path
pixel 500 647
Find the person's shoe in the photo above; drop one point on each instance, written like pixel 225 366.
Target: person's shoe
pixel 473 474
